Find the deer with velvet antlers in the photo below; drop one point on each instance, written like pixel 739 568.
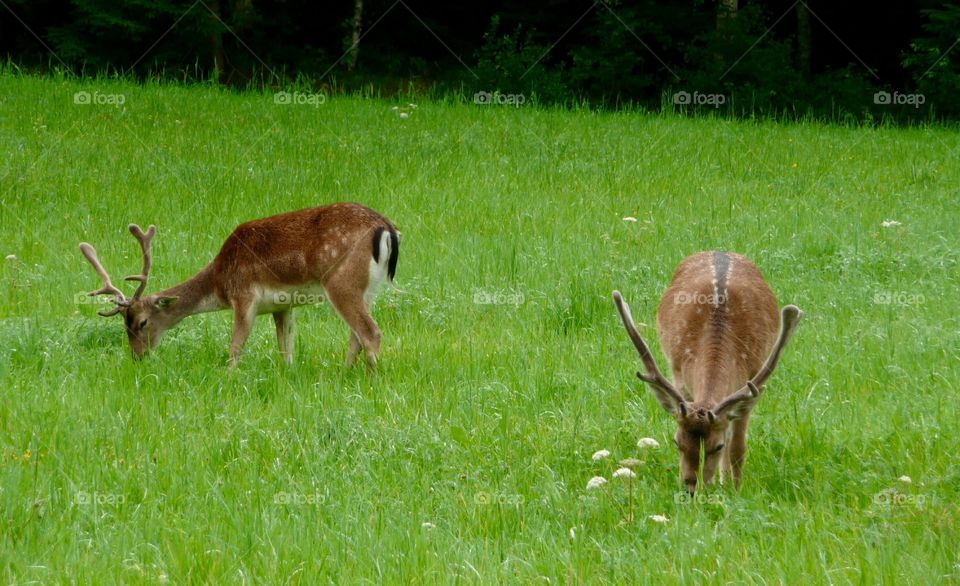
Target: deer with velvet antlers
pixel 718 325
pixel 340 252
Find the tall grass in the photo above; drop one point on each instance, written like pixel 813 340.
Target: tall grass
pixel 504 365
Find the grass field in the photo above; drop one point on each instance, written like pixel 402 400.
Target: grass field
pixel 504 364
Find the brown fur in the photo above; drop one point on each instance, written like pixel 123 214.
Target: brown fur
pixel 718 326
pixel 326 249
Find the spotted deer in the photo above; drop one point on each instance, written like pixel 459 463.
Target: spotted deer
pixel 340 252
pixel 718 327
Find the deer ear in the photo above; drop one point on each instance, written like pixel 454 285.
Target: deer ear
pixel 165 302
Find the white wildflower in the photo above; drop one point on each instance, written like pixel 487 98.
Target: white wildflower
pixel 889 223
pixel 648 442
pixel 573 534
pixel 631 462
pixel 428 525
pixel 905 479
pixel 629 219
pixel 596 482
pixel 11 257
pixel 658 519
pixel 600 455
pixel 624 473
pixel 404 115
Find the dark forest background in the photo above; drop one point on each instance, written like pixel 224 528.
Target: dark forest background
pixel 826 59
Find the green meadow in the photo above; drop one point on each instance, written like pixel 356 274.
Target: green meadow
pixel 504 366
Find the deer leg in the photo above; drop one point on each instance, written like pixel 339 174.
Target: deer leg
pixel 737 448
pixel 243 315
pixel 285 330
pixel 726 470
pixel 364 330
pixel 353 350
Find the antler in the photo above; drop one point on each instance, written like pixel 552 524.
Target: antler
pixel 144 238
pixel 666 393
pixel 107 289
pixel 789 319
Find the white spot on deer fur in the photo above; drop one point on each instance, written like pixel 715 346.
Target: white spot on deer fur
pixel 743 355
pixel 343 239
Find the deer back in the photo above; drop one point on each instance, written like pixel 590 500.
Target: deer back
pixel 717 321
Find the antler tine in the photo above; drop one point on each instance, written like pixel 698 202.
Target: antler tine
pixel 144 238
pixel 789 318
pixel 108 288
pixel 653 375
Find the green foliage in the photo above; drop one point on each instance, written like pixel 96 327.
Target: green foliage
pixel 512 63
pixel 933 62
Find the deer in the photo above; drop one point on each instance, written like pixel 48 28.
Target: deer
pixel 341 252
pixel 718 326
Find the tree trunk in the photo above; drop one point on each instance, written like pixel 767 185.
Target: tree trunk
pixel 804 48
pixel 355 36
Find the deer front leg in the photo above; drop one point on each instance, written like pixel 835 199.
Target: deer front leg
pixel 737 448
pixel 243 315
pixel 285 330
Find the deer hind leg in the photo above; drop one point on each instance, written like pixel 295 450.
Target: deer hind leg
pixel 353 350
pixel 363 330
pixel 285 333
pixel 243 316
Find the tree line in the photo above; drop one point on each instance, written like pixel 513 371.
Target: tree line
pixel 775 57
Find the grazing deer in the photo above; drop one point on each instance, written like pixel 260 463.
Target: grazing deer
pixel 718 327
pixel 341 252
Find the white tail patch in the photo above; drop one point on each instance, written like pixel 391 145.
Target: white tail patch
pixel 378 269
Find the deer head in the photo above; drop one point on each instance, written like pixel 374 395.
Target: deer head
pixel 702 430
pixel 145 318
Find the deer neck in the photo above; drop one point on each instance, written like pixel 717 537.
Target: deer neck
pixel 195 295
